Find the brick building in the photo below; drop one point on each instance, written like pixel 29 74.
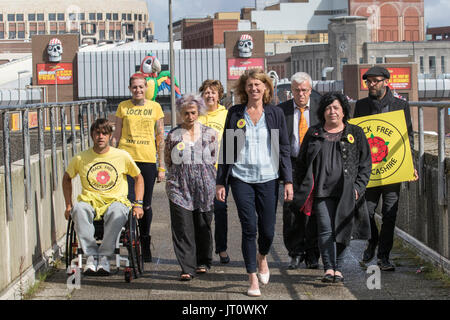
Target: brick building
pixel 438 33
pixel 391 20
pixel 207 34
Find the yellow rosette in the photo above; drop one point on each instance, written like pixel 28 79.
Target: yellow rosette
pixel 350 138
pixel 181 146
pixel 241 123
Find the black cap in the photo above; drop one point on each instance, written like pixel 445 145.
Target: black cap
pixel 377 71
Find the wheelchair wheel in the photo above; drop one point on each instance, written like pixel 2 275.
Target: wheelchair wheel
pixel 134 249
pixel 71 242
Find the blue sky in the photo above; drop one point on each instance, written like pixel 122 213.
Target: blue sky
pixel 436 11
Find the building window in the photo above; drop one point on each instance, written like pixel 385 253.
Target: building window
pixel 52 16
pixel 135 16
pixel 124 16
pixel 99 16
pixel 21 35
pixel 12 35
pixel 102 34
pixel 108 16
pixel 421 65
pixel 1 16
pixel 442 64
pixel 2 35
pixel 140 17
pixel 81 16
pixel 361 60
pixel 91 16
pixel 19 17
pixel 31 17
pixel 432 65
pixel 11 17
pixel 379 60
pixel 118 35
pixel 61 17
pixel 32 33
pixel 115 16
pixel 111 34
pixel 129 16
pixel 40 17
pixel 344 61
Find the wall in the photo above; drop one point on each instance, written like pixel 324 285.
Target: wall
pixel 24 240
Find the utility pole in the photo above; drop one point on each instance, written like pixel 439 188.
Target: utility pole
pixel 172 70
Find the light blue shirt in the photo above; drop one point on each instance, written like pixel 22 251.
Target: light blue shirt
pixel 254 163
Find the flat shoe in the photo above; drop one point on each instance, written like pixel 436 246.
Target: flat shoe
pixel 254 293
pixel 186 277
pixel 328 278
pixel 201 269
pixel 263 277
pixel 224 260
pixel 338 279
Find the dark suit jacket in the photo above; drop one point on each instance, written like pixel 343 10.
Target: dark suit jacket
pixel 288 109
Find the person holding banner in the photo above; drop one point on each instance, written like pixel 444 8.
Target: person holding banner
pixel 332 172
pixel 381 100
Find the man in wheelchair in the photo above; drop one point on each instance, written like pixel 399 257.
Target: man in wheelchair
pixel 103 173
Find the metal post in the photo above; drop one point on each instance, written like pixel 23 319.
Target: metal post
pixel 421 151
pixel 81 117
pixel 7 167
pixel 74 133
pixel 63 136
pixel 441 157
pixel 53 139
pixel 89 122
pixel 26 159
pixel 42 152
pixel 172 70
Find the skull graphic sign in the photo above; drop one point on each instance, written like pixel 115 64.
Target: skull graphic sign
pixel 245 46
pixel 54 50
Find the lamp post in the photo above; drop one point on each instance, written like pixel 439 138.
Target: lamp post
pixel 172 70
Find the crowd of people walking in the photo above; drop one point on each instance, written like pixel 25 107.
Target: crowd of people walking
pixel 302 152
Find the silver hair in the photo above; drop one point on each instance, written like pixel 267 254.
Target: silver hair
pixel 191 99
pixel 301 77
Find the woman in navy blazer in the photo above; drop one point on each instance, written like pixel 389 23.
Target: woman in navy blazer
pixel 255 156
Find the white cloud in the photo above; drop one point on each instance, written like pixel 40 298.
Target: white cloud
pixel 436 13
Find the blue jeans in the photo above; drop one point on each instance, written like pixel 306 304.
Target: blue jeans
pixel 221 222
pixel 333 253
pixel 257 205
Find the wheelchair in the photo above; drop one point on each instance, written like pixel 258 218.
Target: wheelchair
pixel 128 238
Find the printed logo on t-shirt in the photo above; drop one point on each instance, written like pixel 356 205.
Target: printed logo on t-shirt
pixel 102 176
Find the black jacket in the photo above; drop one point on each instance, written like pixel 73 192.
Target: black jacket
pixel 357 165
pixel 288 109
pixel 366 107
pixel 275 120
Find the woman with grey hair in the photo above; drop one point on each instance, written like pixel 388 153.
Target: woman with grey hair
pixel 190 156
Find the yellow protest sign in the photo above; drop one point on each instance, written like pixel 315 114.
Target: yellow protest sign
pixel 387 135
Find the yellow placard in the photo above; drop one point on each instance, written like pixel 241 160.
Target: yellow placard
pixel 387 135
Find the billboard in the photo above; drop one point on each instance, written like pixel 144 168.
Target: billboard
pixel 236 66
pixel 47 73
pixel 400 78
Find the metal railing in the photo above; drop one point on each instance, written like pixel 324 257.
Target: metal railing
pixel 441 108
pixel 50 117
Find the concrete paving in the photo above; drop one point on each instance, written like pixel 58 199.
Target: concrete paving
pixel 229 282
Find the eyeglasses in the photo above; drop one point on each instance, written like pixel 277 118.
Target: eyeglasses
pixel 373 82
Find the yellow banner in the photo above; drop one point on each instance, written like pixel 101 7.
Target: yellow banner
pixel 387 135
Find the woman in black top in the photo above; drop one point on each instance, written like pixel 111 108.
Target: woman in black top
pixel 332 170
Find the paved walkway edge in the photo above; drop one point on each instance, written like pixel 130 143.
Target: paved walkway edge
pixel 422 250
pixel 20 286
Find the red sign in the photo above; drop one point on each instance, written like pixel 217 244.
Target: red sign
pixel 47 73
pixel 236 67
pixel 400 78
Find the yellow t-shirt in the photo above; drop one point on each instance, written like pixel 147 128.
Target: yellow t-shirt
pixel 138 129
pixel 215 120
pixel 103 177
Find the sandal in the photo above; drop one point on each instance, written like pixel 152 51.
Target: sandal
pixel 201 269
pixel 185 277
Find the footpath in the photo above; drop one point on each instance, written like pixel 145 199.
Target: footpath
pixel 410 281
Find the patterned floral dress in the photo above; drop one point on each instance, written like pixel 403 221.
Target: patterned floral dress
pixel 191 175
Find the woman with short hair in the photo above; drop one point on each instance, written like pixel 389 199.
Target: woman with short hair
pixel 190 156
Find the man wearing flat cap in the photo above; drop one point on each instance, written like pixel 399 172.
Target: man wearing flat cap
pixel 382 100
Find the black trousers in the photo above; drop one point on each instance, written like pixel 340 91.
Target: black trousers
pixel 299 232
pixel 191 237
pixel 149 173
pixel 385 238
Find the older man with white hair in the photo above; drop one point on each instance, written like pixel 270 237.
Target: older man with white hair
pixel 299 230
